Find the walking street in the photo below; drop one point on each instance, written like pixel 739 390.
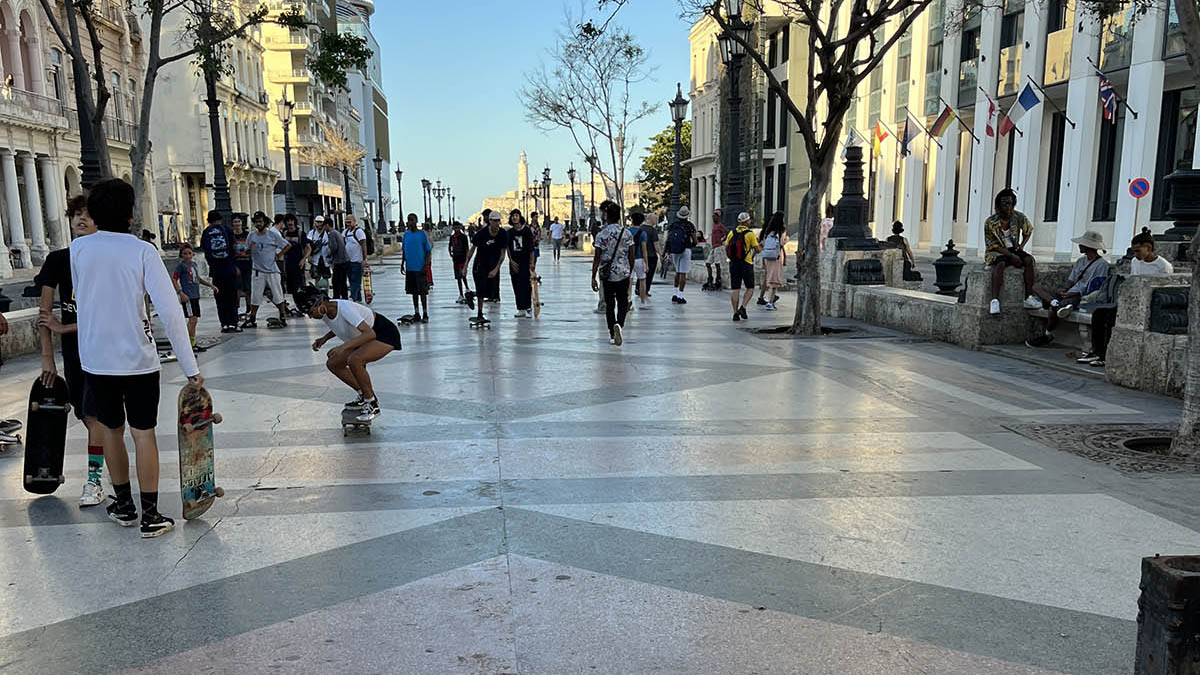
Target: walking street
pixel 532 499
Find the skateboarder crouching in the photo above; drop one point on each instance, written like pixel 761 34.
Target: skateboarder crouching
pixel 366 338
pixel 112 272
pixel 491 242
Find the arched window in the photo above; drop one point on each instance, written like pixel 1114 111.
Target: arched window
pixel 115 91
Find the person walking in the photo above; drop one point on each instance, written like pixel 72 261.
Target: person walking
pixel 414 251
pixel 716 252
pixel 113 272
pixel 458 246
pixel 653 249
pixel 681 238
pixel 521 243
pixel 219 246
pixel 612 263
pixel 356 249
pixel 556 237
pixel 740 247
pixel 639 258
pixel 267 247
pixel 773 238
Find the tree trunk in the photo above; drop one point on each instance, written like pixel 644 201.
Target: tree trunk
pixel 99 105
pixel 807 320
pixel 1188 440
pixel 140 152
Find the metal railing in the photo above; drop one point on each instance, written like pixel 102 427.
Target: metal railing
pixel 28 100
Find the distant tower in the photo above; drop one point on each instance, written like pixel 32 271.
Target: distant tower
pixel 522 176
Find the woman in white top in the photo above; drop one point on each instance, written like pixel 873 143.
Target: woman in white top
pixel 366 338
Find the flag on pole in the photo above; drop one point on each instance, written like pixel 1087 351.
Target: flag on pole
pixel 852 140
pixel 991 118
pixel 942 122
pixel 1108 99
pixel 877 142
pixel 1024 103
pixel 909 133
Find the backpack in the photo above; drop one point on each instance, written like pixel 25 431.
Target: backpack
pixel 771 247
pixel 736 248
pixel 677 238
pixel 370 242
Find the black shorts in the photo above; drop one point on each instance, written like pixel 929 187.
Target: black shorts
pixel 460 268
pixel 386 331
pixel 741 273
pixel 73 374
pixel 416 283
pixel 191 308
pixel 1023 255
pixel 293 280
pixel 112 398
pixel 487 288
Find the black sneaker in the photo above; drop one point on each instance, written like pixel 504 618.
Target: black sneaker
pixel 122 513
pixel 1039 341
pixel 683 301
pixel 155 524
pixel 675 299
pixel 761 301
pixel 737 316
pixel 424 318
pixel 742 311
pixel 199 349
pixel 282 321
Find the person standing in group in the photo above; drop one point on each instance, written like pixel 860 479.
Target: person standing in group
pixel 612 262
pixel 244 265
pixel 218 243
pixel 740 247
pixel 296 258
pixel 772 239
pixel 556 237
pixel 356 249
pixel 428 230
pixel 458 246
pixel 267 247
pixel 716 252
pixel 187 280
pixel 639 258
pixel 681 237
pixel 56 275
pixel 112 272
pixel 650 228
pixel 337 258
pixel 491 242
pixel 521 242
pixel 414 261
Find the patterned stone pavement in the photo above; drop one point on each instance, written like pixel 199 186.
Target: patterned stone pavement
pixel 700 500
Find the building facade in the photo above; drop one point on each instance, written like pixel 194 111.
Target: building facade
pixel 1070 166
pixel 180 133
pixel 560 195
pixel 367 96
pixel 39 125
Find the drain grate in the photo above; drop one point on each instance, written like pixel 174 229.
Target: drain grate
pixel 1129 448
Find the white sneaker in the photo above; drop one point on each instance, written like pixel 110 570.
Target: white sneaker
pixel 644 305
pixel 617 337
pixel 994 308
pixel 519 315
pixel 93 494
pixel 1033 302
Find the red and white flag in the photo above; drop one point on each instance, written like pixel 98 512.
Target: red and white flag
pixel 991 118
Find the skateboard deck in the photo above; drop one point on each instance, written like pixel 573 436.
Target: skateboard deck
pixel 367 289
pixel 46 436
pixel 350 423
pixel 409 319
pixel 479 322
pixel 197 479
pixel 537 302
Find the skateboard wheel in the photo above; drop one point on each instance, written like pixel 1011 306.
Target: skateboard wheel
pixel 62 479
pixel 29 480
pixel 220 492
pixel 217 418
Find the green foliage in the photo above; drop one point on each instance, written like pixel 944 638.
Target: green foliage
pixel 659 164
pixel 338 53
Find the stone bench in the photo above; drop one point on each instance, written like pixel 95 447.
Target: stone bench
pixel 917 312
pixel 1139 357
pixel 22 337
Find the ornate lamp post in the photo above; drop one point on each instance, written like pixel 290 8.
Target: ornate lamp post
pixel 285 108
pixel 453 207
pixel 380 225
pixel 571 176
pixel 546 194
pixel 679 114
pixel 591 160
pixel 426 202
pixel 438 193
pixel 732 53
pixel 348 208
pixel 449 208
pixel 399 195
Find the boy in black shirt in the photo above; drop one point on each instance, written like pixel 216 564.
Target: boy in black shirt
pixel 491 243
pixel 459 245
pixel 521 242
pixel 219 246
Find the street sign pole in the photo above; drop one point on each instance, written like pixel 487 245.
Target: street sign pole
pixel 1138 188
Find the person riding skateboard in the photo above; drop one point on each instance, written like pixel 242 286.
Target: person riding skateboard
pixel 112 272
pixel 491 242
pixel 367 336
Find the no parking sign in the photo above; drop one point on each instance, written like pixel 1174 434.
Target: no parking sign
pixel 1139 187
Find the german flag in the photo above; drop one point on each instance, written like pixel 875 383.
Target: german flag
pixel 942 122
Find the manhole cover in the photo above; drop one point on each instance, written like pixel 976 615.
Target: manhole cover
pixel 1128 448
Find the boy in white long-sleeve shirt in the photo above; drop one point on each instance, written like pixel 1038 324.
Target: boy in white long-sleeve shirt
pixel 112 272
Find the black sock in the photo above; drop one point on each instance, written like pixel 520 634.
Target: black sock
pixel 124 493
pixel 149 502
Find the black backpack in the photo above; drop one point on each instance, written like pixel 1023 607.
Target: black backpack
pixel 677 238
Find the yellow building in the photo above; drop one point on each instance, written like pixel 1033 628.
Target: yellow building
pixel 560 195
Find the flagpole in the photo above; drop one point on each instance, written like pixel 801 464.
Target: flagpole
pixel 958 119
pixel 1001 112
pixel 920 124
pixel 1046 98
pixel 1114 89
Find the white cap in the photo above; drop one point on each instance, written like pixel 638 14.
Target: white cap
pixel 495 215
pixel 319 219
pixel 743 217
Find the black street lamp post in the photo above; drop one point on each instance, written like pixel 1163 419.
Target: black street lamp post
pixel 346 182
pixel 571 176
pixel 678 113
pixel 546 194
pixel 453 207
pixel 220 184
pixel 449 209
pixel 380 219
pixel 591 160
pixel 438 193
pixel 732 53
pixel 285 108
pixel 399 195
pixel 426 202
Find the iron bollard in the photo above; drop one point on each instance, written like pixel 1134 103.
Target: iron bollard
pixel 949 270
pixel 1168 619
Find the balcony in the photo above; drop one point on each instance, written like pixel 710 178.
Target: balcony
pixel 295 76
pixel 280 6
pixel 290 43
pixel 303 109
pixel 1058 56
pixel 1010 71
pixel 28 107
pixel 968 81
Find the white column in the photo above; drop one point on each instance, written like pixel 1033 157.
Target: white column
pixel 885 186
pixel 184 208
pixel 1079 149
pixel 33 198
pixel 983 159
pixel 941 223
pixel 1028 181
pixel 14 57
pixel 12 195
pixel 914 186
pixel 6 270
pixel 38 86
pixel 54 206
pixel 1140 143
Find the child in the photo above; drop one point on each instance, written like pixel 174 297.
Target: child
pixel 366 338
pixel 459 245
pixel 187 282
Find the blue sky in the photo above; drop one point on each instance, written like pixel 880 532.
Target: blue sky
pixel 451 70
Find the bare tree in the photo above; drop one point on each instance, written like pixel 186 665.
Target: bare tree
pixel 336 151
pixel 587 90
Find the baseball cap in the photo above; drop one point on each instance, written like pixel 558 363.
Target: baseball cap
pixel 494 215
pixel 743 217
pixel 319 219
